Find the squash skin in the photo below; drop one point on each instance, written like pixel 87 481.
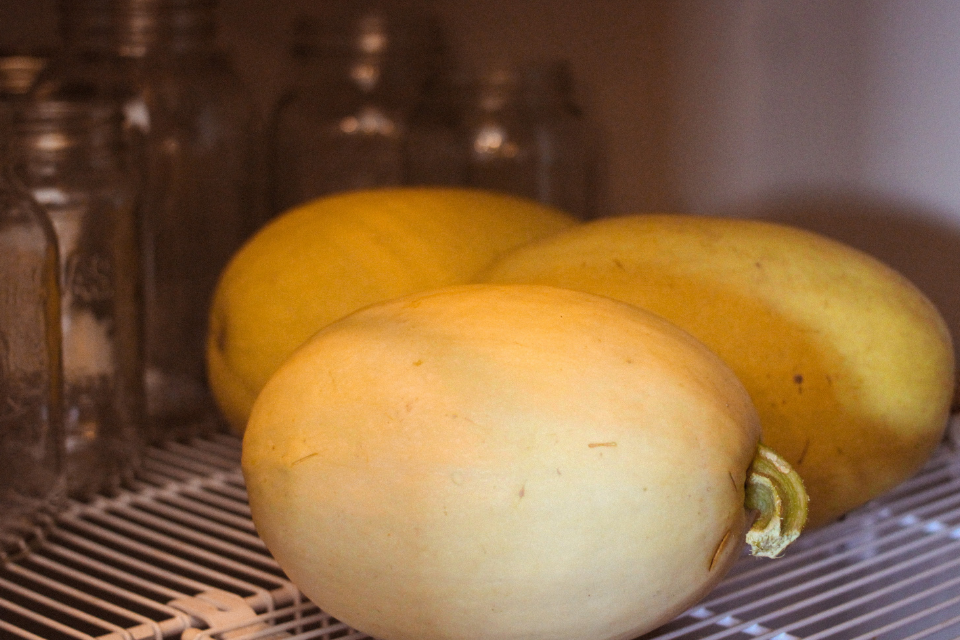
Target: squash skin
pixel 848 364
pixel 502 462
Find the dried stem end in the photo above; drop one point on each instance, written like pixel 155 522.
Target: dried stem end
pixel 776 493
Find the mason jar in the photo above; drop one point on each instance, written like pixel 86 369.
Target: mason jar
pixel 69 156
pixel 194 135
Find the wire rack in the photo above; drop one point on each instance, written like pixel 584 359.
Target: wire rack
pixel 177 556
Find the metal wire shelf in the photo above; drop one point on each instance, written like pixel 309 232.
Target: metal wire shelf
pixel 177 556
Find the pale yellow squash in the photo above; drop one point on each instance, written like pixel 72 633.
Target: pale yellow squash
pixel 849 365
pixel 502 463
pixel 318 262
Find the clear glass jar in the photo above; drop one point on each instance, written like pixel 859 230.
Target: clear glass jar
pixel 343 125
pixel 203 200
pixel 498 134
pixel 196 139
pixel 567 149
pixel 31 428
pixel 69 157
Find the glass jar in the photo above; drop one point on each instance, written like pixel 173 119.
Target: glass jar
pixel 68 156
pixel 343 125
pixel 498 134
pixel 204 198
pixel 31 428
pixel 196 140
pixel 566 144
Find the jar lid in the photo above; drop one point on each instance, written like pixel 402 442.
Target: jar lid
pixel 54 126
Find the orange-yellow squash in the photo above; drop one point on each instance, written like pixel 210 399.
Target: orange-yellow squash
pixel 320 261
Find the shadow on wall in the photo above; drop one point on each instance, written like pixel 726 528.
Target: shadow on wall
pixel 911 239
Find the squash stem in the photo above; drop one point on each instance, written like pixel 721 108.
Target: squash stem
pixel 775 492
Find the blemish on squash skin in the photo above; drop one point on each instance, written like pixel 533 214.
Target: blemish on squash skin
pixel 594 445
pixel 418 363
pixel 299 460
pixel 719 551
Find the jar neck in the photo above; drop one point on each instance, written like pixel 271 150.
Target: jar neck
pixel 138 28
pixel 18 73
pixel 57 134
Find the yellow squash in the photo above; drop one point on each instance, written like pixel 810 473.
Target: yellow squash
pixel 849 365
pixel 505 463
pixel 316 263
